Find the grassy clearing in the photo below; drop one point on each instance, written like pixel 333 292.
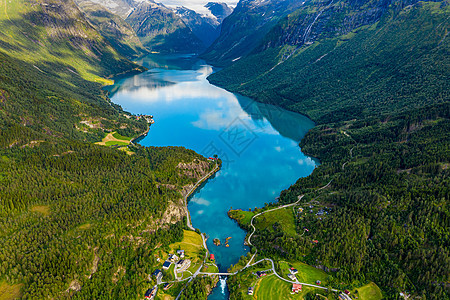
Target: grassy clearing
pixel 116 143
pixel 127 150
pixel 8 291
pixel 369 292
pixel 284 217
pixel 43 209
pixel 270 288
pixel 306 273
pixel 85 226
pixel 210 268
pixel 241 216
pixel 113 138
pixel 192 244
pixel 121 137
pixel 170 294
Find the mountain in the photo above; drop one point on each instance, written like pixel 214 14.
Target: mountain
pixel 51 33
pixel 77 219
pixel 160 29
pixel 203 27
pixel 219 10
pixel 206 28
pixel 374 76
pixel 122 8
pixel 119 33
pixel 244 29
pixel 349 60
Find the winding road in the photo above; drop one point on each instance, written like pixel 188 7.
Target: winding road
pixel 249 264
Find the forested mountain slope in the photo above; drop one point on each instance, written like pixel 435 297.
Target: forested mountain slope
pixel 77 219
pixel 398 61
pixel 245 28
pixel 374 75
pixel 118 32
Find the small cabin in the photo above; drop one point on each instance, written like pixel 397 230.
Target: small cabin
pixel 250 290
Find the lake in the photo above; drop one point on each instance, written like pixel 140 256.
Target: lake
pixel 258 143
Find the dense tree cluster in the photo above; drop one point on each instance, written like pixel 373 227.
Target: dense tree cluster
pixel 388 198
pixel 78 219
pixel 199 288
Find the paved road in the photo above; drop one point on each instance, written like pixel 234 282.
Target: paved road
pixel 189 224
pixel 249 264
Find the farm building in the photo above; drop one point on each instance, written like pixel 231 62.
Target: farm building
pixel 166 265
pixel 180 253
pixel 296 288
pixel 151 293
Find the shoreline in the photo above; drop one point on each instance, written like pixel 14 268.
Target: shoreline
pixel 193 189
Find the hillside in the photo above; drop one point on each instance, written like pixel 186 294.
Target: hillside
pixel 203 27
pixel 119 33
pixel 161 30
pixel 373 75
pixel 77 219
pixel 396 61
pixel 244 29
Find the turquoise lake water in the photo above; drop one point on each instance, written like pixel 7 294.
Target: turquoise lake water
pixel 258 143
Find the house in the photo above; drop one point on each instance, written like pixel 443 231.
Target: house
pixel 292 277
pixel 318 282
pixel 260 274
pixel 250 290
pixel 151 293
pixel 172 258
pixel 183 265
pixel 158 274
pixel 344 297
pixel 166 265
pixel 315 241
pixel 180 253
pixel 211 257
pixel 347 292
pixel 167 286
pixel 293 271
pixel 296 288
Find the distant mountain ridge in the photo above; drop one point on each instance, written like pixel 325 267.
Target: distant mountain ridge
pixel 244 29
pixel 165 29
pixel 206 28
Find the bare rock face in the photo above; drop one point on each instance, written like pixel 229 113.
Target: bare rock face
pixel 160 29
pixel 196 169
pixel 327 20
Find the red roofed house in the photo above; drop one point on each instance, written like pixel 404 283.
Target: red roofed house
pixel 211 257
pixel 296 288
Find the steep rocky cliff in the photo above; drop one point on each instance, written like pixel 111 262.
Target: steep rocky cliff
pixel 204 27
pixel 160 29
pixel 244 29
